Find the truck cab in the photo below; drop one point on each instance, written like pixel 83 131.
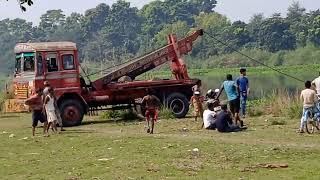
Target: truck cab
pixel 56 62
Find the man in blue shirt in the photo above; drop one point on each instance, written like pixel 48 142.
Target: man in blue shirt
pixel 232 92
pixel 243 84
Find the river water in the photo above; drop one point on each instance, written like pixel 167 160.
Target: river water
pixel 261 84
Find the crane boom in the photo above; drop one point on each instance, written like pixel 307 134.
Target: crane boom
pixel 172 52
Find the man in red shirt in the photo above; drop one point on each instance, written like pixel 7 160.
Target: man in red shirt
pixel 35 104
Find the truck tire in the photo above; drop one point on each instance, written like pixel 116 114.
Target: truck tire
pixel 71 112
pixel 178 104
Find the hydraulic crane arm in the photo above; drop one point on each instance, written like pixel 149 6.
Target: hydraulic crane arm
pixel 172 52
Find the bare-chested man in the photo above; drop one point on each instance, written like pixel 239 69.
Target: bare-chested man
pixel 151 102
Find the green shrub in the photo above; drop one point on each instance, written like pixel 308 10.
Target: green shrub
pixel 279 103
pixel 110 114
pixel 278 122
pixel 165 113
pixel 128 115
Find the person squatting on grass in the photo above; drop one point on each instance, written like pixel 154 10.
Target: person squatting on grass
pixel 243 84
pixel 152 103
pixel 232 91
pixel 45 93
pixel 224 121
pixel 196 102
pixel 36 106
pixel 309 99
pixel 49 105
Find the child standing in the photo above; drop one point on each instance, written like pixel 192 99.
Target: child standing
pixel 196 103
pixel 309 98
pixel 49 105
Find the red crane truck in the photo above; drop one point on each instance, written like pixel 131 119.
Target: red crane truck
pixel 57 62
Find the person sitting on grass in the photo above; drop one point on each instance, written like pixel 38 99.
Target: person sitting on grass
pixel 224 121
pixel 152 103
pixel 35 104
pixel 209 116
pixel 309 99
pixel 196 103
pixel 49 105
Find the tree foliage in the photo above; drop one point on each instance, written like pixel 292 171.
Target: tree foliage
pixel 118 32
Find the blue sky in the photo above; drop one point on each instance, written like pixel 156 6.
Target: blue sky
pixel 234 9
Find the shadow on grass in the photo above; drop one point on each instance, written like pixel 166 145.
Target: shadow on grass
pixel 9 116
pixel 111 121
pixel 77 131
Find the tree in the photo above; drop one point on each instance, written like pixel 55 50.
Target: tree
pixel 295 17
pixel 236 36
pixel 124 26
pixel 253 28
pixel 313 19
pixel 214 24
pixel 95 19
pixel 274 35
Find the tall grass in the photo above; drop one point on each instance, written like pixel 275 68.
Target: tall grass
pixel 3 97
pixel 279 103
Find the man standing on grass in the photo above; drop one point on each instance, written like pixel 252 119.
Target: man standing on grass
pixel 35 104
pixel 309 98
pixel 45 94
pixel 316 84
pixel 152 103
pixel 232 91
pixel 243 84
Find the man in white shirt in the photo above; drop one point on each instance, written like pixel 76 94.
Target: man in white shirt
pixel 316 84
pixel 209 116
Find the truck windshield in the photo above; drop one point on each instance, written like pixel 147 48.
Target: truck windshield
pixel 28 61
pixel 18 66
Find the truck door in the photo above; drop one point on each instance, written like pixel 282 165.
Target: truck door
pixel 69 70
pixel 52 71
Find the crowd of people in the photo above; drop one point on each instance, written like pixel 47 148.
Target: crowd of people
pixel 217 115
pixel 45 110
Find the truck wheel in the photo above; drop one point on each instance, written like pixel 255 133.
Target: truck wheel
pixel 178 104
pixel 71 113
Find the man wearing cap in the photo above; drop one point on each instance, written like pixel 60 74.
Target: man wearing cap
pixel 243 84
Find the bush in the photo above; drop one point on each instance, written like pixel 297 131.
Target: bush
pixel 165 113
pixel 3 97
pixel 110 115
pixel 280 103
pixel 126 115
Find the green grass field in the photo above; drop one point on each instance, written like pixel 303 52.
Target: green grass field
pixel 107 149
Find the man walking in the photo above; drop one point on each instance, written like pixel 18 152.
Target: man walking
pixel 243 84
pixel 151 103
